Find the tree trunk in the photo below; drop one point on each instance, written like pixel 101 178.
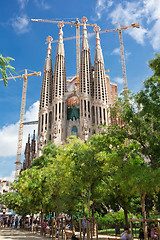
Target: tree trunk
pixel 72 224
pixel 125 215
pixel 41 222
pixel 93 208
pixel 89 195
pixel 58 209
pixel 144 216
pixel 32 222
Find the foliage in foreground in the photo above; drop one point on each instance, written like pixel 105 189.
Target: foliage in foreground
pixel 6 68
pixel 110 169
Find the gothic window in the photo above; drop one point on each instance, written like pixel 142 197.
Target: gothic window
pixel 56 113
pixel 42 123
pixel 81 108
pixel 74 131
pixel 93 115
pixel 104 114
pixel 46 119
pixel 88 109
pixel 97 114
pixel 50 120
pixel 100 113
pixel 63 110
pixel 85 107
pixel 53 114
pixel 59 110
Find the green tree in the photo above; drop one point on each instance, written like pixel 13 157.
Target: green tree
pixel 6 68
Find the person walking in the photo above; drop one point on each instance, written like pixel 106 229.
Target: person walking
pixel 84 225
pixel 16 222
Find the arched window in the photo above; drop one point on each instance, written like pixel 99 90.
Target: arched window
pixel 74 131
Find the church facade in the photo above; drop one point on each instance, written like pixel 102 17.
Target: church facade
pixel 77 109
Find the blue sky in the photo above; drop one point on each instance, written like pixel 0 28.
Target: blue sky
pixel 25 42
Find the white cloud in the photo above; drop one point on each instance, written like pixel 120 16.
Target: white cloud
pixel 146 12
pixel 154 36
pixel 130 12
pixel 42 4
pixel 118 80
pixel 9 134
pixel 152 10
pixel 20 24
pixel 102 6
pixel 22 3
pixel 116 51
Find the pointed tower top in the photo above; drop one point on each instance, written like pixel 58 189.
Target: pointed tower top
pixel 49 40
pixel 60 25
pixel 28 138
pixel 34 135
pixel 85 44
pixel 84 20
pixel 97 29
pixel 98 52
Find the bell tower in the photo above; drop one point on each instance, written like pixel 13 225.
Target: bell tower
pixel 59 106
pixel 85 87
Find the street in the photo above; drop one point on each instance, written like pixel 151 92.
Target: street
pixel 10 233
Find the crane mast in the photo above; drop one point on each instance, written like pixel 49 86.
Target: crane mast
pixel 21 121
pixel 20 132
pixel 122 58
pixel 22 115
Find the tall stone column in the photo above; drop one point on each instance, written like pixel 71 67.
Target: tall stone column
pixel 45 101
pixel 85 88
pixel 59 132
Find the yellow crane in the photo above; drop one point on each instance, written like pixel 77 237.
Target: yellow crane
pixel 22 114
pixel 73 23
pixel 119 29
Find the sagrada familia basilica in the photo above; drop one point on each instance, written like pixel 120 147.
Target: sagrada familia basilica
pixel 70 111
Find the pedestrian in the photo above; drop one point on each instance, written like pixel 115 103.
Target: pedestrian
pixel 12 220
pixel 141 234
pixel 125 234
pixel 16 222
pixel 84 225
pixel 5 222
pixel 9 221
pixel 20 223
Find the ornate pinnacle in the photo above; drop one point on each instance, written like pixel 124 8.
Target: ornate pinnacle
pixel 49 40
pixel 97 29
pixel 84 20
pixel 60 25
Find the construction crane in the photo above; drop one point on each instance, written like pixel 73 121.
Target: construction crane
pixel 119 29
pixel 22 114
pixel 73 23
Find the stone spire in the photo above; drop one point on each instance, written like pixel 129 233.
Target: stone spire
pixel 85 77
pixel 100 94
pixel 45 100
pixel 27 153
pixel 59 77
pixel 100 84
pixel 85 88
pixel 58 133
pixel 33 147
pixel 46 91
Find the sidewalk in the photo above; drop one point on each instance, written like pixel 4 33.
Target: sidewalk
pixel 18 234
